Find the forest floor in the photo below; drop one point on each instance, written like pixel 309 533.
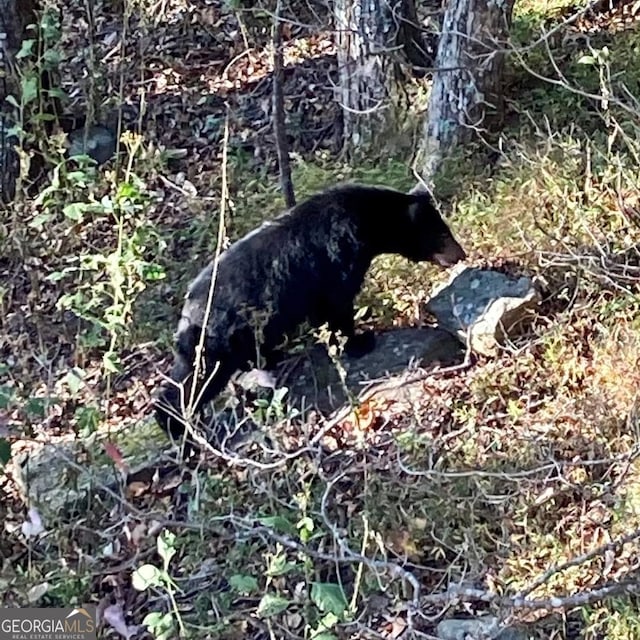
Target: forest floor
pixel 503 469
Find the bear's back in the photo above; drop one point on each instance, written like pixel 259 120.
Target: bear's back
pixel 286 264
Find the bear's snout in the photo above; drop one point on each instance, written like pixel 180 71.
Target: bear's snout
pixel 450 253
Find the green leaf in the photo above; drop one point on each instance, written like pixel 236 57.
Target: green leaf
pixel 323 635
pixel 51 58
pixel 279 394
pixel 5 451
pixel 127 191
pixel 29 90
pixel 26 49
pixel 78 177
pixel 35 407
pixel 278 566
pixel 271 605
pixel 327 622
pixel 243 584
pixel 56 92
pixel 74 380
pixel 6 397
pixel 279 524
pixel 306 526
pixel 40 220
pixel 75 211
pixel 166 546
pixel 148 575
pixel 111 362
pixel 329 598
pixel 88 419
pixel 44 117
pixel 160 624
pixel 587 60
pixel 305 523
pixel 12 101
pixel 56 276
pixel 153 272
pixel 107 204
pixel 153 619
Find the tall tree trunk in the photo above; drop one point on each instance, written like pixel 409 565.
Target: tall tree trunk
pixel 372 35
pixel 362 28
pixel 15 15
pixel 466 96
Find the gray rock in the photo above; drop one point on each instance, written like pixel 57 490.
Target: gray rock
pixel 314 380
pixel 483 306
pixel 314 385
pixel 482 628
pixel 58 479
pixel 43 478
pixel 510 633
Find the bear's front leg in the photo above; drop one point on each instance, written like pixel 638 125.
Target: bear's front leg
pixel 358 344
pixel 270 359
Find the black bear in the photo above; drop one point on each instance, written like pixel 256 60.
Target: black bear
pixel 307 264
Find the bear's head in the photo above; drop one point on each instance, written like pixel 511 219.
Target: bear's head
pixel 428 237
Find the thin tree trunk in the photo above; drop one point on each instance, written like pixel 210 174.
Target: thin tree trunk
pixel 15 15
pixel 418 50
pixel 466 96
pixel 279 122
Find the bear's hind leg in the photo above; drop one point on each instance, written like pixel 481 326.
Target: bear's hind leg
pixel 170 402
pixel 179 403
pixel 359 344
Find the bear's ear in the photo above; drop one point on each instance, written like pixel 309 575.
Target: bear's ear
pixel 420 206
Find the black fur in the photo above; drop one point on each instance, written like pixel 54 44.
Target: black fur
pixel 307 264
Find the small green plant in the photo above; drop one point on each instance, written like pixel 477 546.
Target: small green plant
pixel 88 416
pixel 35 106
pixel 331 604
pixel 326 604
pixel 268 410
pixel 150 576
pixel 108 284
pixel 29 409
